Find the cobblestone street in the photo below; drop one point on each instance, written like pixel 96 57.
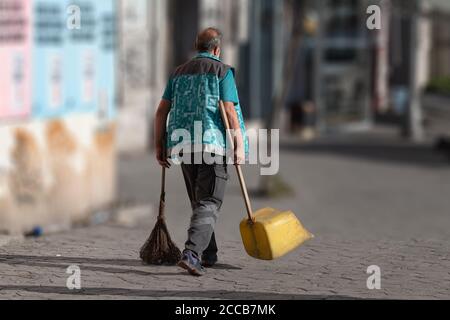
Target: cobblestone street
pixel 368 202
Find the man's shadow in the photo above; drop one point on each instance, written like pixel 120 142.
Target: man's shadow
pixel 96 265
pixel 101 265
pixel 149 293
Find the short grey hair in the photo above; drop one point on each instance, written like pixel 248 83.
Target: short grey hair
pixel 208 40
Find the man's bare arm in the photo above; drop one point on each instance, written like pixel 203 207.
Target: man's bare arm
pixel 239 153
pixel 160 132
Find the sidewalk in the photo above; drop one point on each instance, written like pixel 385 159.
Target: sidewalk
pixel 368 201
pixel 326 268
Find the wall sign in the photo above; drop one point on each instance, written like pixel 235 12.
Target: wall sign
pixel 15 46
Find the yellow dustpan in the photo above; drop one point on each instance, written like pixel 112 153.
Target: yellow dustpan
pixel 267 234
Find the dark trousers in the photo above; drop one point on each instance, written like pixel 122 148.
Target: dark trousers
pixel 206 189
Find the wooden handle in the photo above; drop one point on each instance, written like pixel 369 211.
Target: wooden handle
pixel 162 199
pixel 163 182
pixel 163 174
pixel 244 190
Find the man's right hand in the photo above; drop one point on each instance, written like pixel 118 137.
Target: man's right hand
pixel 161 157
pixel 160 131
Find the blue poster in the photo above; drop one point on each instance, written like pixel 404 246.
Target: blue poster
pixel 80 62
pixel 74 63
pixel 106 51
pixel 48 93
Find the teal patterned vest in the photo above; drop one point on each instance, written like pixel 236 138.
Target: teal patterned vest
pixel 195 98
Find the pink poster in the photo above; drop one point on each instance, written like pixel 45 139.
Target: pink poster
pixel 15 58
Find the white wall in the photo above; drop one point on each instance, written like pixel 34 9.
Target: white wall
pixel 143 65
pixel 55 172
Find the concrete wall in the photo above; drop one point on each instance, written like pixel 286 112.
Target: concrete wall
pixel 57 114
pixel 143 68
pixel 55 172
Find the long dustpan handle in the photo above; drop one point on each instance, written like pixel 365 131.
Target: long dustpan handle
pixel 244 190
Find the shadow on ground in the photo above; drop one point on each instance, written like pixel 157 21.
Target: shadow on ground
pixel 99 265
pixel 91 264
pixel 143 293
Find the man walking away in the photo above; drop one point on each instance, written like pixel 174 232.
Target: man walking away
pixel 191 97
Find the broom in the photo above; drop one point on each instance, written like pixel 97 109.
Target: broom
pixel 159 248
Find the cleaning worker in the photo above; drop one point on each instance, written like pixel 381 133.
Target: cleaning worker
pixel 191 97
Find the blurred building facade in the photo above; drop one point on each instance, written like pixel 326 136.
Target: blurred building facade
pixel 71 97
pixel 410 54
pixel 346 75
pixel 57 111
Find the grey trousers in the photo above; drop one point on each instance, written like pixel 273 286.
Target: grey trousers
pixel 206 189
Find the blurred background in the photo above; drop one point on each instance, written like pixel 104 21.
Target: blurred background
pixel 364 113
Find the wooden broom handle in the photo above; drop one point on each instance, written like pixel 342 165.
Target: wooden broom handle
pixel 163 172
pixel 162 199
pixel 163 183
pixel 244 190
